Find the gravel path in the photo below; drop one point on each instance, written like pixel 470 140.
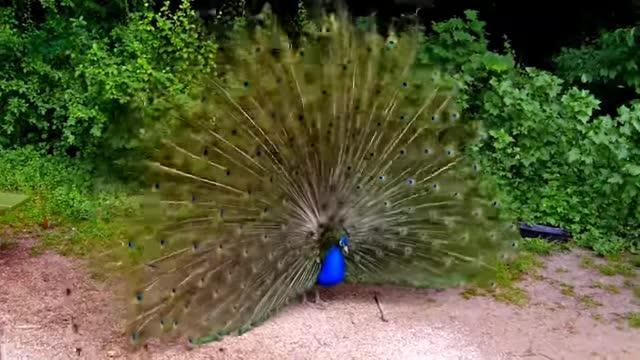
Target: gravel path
pixel 41 319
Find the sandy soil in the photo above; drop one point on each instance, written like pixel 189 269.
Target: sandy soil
pixel 40 319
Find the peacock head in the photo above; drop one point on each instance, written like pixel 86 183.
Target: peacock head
pixel 344 244
pixel 332 238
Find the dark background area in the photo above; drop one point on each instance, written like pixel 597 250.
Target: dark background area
pixel 537 30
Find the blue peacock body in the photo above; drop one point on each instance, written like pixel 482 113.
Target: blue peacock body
pixel 301 166
pixel 333 269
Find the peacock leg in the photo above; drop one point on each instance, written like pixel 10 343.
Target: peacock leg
pixel 319 302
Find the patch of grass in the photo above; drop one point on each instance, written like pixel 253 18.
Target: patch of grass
pixel 597 317
pixel 83 238
pixel 617 268
pixel 81 208
pixel 607 270
pixel 7 244
pixel 634 320
pixel 542 247
pixel 570 291
pixel 510 272
pixel 617 264
pixel 589 301
pixel 567 290
pixel 470 292
pixel 628 283
pixel 512 295
pixel 610 288
pixel 625 269
pixel 561 270
pixel 525 263
pixel 587 262
pixel 636 292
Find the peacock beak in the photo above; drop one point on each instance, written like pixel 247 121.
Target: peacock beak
pixel 344 244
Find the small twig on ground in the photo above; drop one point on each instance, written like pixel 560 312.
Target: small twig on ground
pixel 530 353
pixel 375 297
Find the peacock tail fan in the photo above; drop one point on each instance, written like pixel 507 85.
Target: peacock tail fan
pixel 339 134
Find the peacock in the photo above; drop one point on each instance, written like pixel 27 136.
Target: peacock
pixel 302 166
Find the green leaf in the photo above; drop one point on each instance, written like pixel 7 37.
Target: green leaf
pixel 574 155
pixel 632 169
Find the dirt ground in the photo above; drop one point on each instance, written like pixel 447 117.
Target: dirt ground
pixel 40 319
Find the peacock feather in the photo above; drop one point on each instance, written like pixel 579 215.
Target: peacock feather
pixel 300 166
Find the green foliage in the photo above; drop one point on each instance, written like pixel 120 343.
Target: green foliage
pixel 542 247
pixel 88 78
pixel 84 208
pixel 10 201
pixel 60 188
pixel 554 160
pixel 612 58
pixel 71 85
pixel 559 165
pixel 460 47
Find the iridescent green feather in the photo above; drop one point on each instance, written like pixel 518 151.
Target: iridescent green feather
pixel 341 134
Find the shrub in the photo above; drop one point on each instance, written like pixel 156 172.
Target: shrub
pixel 612 58
pixel 73 86
pixel 61 188
pixel 460 48
pixel 556 162
pixel 559 165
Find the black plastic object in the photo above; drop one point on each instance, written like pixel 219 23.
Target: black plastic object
pixel 545 232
